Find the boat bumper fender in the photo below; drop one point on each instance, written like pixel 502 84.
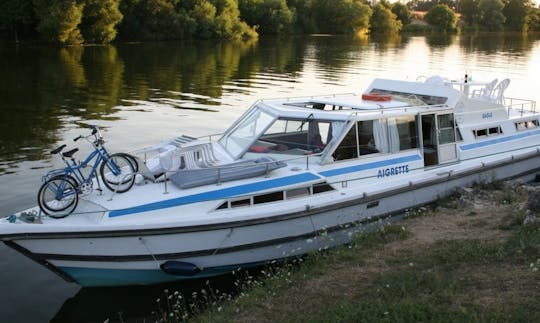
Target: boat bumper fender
pixel 179 268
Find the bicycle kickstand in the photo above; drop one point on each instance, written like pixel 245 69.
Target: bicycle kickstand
pixel 99 189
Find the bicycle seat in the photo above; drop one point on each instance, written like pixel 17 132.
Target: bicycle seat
pixel 70 153
pixel 57 150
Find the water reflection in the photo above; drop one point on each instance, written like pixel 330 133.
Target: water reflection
pixel 144 93
pixel 440 40
pixel 384 42
pixel 497 43
pixel 46 89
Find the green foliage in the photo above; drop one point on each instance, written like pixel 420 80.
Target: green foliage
pixel 491 15
pixel 228 24
pixel 99 20
pixel 402 13
pixel 153 20
pixel 270 16
pixel 303 20
pixel 534 19
pixel 383 21
pixel 204 13
pixel 385 3
pixel 469 11
pixel 341 16
pixel 416 29
pixel 441 18
pixel 59 20
pixel 14 14
pixel 426 5
pixel 517 13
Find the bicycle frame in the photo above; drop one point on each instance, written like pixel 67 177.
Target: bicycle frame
pixel 75 170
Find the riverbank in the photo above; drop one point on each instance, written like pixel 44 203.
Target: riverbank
pixel 472 257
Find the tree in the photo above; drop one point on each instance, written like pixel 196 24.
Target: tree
pixel 470 11
pixel 441 18
pixel 14 14
pixel 385 3
pixel 383 21
pixel 426 5
pixel 154 20
pixel 228 22
pixel 59 20
pixel 99 20
pixel 204 13
pixel 516 13
pixel 491 15
pixel 271 16
pixel 341 16
pixel 534 23
pixel 303 19
pixel 402 13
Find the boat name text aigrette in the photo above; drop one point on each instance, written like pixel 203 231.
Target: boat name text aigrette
pixel 392 171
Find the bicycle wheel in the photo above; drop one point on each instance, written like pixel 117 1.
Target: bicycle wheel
pixel 58 196
pixel 131 158
pixel 118 173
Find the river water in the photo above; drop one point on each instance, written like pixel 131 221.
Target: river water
pixel 144 93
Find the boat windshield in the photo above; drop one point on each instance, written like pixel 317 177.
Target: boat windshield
pixel 238 139
pixel 293 136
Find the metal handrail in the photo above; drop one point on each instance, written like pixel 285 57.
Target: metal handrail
pixel 523 103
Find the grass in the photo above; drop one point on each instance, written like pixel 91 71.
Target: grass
pixel 443 263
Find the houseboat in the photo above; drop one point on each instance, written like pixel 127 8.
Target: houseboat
pixel 289 177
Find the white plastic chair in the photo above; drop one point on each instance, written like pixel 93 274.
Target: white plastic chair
pixel 486 92
pixel 498 92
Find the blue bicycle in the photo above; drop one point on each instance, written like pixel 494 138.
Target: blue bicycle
pixel 58 196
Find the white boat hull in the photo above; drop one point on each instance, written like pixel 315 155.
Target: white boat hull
pixel 134 257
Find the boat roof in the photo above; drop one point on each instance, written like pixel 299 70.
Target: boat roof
pixel 406 98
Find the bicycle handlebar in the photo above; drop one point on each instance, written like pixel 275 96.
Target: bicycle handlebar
pixel 95 130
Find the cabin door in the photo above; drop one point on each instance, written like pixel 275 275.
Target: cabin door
pixel 439 138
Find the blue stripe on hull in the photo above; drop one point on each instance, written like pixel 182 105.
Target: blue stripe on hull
pixel 92 277
pixel 377 164
pixel 218 194
pixel 499 140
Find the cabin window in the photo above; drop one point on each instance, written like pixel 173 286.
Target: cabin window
pixel 276 196
pixel 270 197
pixel 347 148
pixel 447 133
pixel 350 147
pixel 321 188
pixel 480 133
pixel 527 124
pixel 493 131
pixel 427 99
pixel 402 133
pixel 242 202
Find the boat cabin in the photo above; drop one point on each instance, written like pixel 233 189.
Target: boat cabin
pixel 342 127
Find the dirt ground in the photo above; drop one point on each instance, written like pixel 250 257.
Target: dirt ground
pixel 489 216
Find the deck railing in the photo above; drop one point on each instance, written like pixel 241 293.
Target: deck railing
pixel 520 106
